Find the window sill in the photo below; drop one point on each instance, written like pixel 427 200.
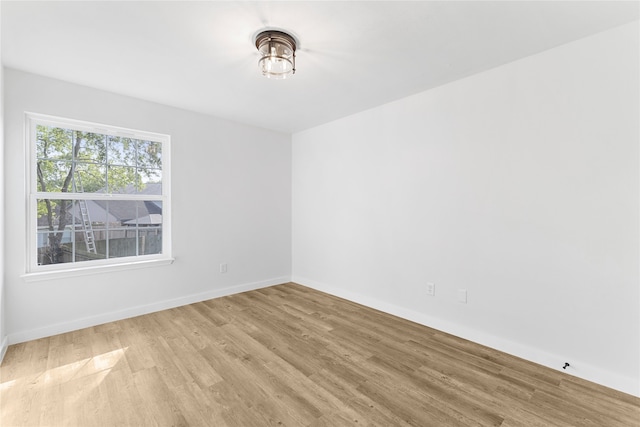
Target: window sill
pixel 96 269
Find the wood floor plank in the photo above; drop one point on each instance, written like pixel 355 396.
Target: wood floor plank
pixel 345 390
pixel 158 400
pixel 288 355
pixel 127 406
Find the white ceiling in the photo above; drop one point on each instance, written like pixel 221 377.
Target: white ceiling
pixel 353 55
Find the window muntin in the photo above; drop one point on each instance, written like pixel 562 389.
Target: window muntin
pixel 98 195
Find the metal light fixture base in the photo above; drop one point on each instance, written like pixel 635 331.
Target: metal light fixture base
pixel 277 54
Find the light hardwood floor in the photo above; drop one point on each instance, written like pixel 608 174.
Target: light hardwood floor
pixel 288 355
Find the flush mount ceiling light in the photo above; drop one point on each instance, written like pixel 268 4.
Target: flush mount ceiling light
pixel 277 54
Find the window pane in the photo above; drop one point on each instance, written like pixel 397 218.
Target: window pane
pixel 90 218
pixel 122 242
pixel 149 154
pixel 150 181
pixel 135 228
pixel 91 147
pixel 55 227
pixel 52 175
pixel 150 214
pixel 121 151
pixel 122 180
pixel 53 142
pixel 150 240
pixel 139 213
pixel 84 250
pixel 90 178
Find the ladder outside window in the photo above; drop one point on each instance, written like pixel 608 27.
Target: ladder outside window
pixel 87 227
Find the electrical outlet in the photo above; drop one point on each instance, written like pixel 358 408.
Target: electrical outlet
pixel 431 289
pixel 223 268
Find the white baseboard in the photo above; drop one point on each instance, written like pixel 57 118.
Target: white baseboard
pixel 86 322
pixel 3 348
pixel 554 361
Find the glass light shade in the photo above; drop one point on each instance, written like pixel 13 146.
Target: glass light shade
pixel 277 54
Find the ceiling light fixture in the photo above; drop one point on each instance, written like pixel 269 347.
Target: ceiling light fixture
pixel 277 54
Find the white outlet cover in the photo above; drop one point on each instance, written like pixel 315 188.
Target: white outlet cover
pixel 431 288
pixel 462 296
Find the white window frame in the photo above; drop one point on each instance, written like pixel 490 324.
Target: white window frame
pixel 44 272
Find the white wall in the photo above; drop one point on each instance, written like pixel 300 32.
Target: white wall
pixel 520 185
pixel 231 189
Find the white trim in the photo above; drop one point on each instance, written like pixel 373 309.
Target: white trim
pixel 97 196
pixel 86 322
pixel 93 269
pixel 104 129
pixel 554 361
pixel 33 271
pixel 3 348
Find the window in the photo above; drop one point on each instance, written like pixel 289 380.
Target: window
pixel 98 196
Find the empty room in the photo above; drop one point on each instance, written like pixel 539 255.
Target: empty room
pixel 331 213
